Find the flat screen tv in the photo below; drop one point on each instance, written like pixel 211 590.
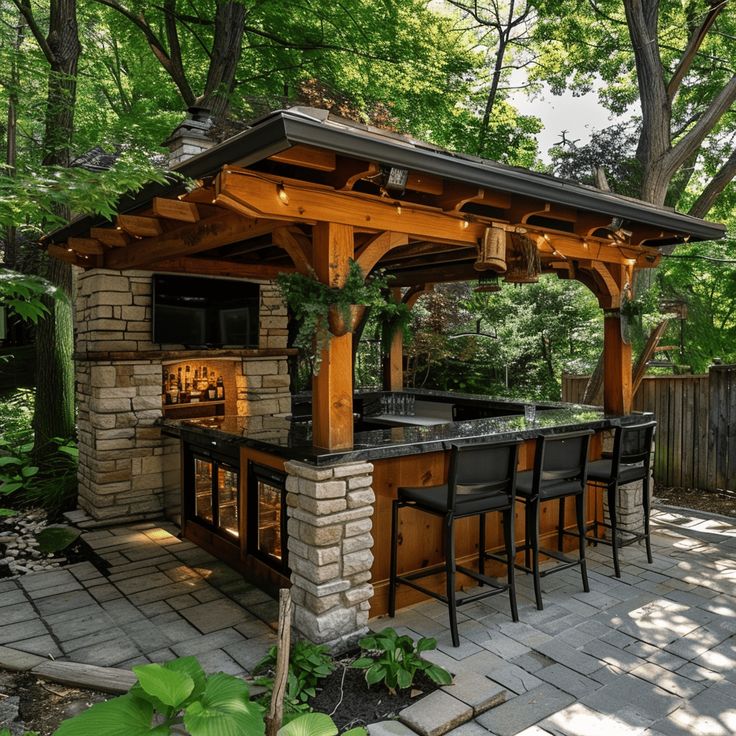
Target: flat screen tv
pixel 198 312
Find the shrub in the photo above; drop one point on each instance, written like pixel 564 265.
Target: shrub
pixel 309 663
pixel 395 660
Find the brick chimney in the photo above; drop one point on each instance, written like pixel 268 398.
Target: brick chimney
pixel 190 137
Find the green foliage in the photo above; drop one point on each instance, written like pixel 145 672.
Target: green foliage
pixel 22 293
pixel 169 695
pixel 309 663
pixel 310 301
pixel 395 660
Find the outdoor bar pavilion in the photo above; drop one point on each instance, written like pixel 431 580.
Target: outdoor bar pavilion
pixel 294 502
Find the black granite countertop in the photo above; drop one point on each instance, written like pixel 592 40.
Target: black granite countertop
pixel 293 439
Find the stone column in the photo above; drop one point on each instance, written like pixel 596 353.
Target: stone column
pixel 330 556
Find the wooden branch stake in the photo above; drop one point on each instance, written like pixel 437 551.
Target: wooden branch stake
pixel 281 675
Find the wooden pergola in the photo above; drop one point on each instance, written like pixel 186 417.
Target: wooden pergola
pixel 301 190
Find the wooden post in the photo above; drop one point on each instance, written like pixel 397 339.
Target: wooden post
pixel 617 381
pixel 393 361
pixel 281 675
pixel 332 388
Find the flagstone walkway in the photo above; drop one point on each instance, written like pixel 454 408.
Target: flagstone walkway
pixel 651 654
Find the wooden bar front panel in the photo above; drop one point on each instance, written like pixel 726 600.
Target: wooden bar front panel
pixel 420 534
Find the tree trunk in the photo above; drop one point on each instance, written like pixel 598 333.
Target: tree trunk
pixel 54 410
pixel 226 49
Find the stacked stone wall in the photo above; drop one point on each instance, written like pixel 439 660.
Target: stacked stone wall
pixel 330 544
pixel 127 469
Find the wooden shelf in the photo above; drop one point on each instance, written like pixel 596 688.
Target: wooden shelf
pixel 190 404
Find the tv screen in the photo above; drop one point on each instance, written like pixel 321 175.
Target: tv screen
pixel 196 312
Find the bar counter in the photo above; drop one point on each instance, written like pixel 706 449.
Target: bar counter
pixel 290 437
pixel 242 459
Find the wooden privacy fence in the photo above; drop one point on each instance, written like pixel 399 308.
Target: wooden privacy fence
pixel 696 432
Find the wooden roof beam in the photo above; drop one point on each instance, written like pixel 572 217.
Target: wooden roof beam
pixel 290 241
pixel 214 267
pixel 175 209
pixel 369 254
pixel 308 157
pixel 139 226
pixel 86 246
pixel 110 236
pixel 188 239
pixel 260 195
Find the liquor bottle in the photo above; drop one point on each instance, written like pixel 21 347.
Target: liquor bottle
pixel 174 389
pixel 195 395
pixel 203 380
pixel 211 388
pixel 187 380
pixel 220 388
pixel 165 386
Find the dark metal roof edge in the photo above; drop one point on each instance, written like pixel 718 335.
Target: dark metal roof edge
pixel 302 129
pixel 264 139
pixel 282 128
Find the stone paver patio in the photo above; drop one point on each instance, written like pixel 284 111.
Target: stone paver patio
pixel 651 654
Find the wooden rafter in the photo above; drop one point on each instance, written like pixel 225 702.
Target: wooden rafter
pixel 218 267
pixel 188 239
pixel 86 246
pixel 110 236
pixel 140 227
pixel 175 209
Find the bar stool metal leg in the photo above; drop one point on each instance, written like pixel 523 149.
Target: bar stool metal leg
pixel 647 504
pixel 508 536
pixel 394 554
pixel 451 569
pixel 534 523
pixel 613 517
pixel 561 524
pixel 580 513
pixel 527 537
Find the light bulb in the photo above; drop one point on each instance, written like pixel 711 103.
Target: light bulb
pixel 282 195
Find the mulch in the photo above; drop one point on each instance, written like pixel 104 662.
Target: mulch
pixel 714 502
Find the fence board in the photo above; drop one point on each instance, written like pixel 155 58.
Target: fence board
pixel 696 433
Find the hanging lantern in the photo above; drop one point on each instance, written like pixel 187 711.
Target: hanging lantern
pixel 487 283
pixel 524 265
pixel 492 251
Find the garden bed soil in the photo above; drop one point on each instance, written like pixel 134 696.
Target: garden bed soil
pixel 346 697
pixel 714 502
pixel 44 705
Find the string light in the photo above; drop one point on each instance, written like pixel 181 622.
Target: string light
pixel 281 193
pixel 398 208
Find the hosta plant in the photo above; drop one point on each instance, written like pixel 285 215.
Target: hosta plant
pixel 395 660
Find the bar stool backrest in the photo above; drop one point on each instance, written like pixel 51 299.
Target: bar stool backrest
pixel 562 457
pixel 482 469
pixel 632 445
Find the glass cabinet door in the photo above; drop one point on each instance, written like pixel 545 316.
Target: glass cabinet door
pixel 269 519
pixel 203 489
pixel 267 515
pixel 227 501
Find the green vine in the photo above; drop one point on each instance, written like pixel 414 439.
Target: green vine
pixel 310 301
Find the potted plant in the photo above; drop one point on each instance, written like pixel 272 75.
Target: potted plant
pixel 322 310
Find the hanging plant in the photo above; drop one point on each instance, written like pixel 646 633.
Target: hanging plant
pixel 323 310
pixel 393 316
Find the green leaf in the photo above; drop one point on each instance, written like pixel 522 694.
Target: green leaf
pixel 190 666
pixel 426 643
pixel 4 461
pixel 438 674
pixel 29 471
pixel 359 731
pixel 56 538
pixel 171 687
pixel 10 487
pixel 404 678
pixel 310 724
pixel 362 663
pixel 7 512
pixel 224 710
pixel 375 674
pixel 123 716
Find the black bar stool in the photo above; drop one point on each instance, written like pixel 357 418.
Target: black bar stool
pixel 630 461
pixel 560 470
pixel 481 479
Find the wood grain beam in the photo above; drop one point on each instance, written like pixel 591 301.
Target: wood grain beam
pixel 414 292
pixel 110 236
pixel 86 246
pixel 259 195
pixel 139 226
pixel 309 157
pixel 213 267
pixel 63 254
pixel 617 372
pixel 332 387
pixel 370 253
pixel 175 209
pixel 289 241
pixel 188 239
pixel 350 171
